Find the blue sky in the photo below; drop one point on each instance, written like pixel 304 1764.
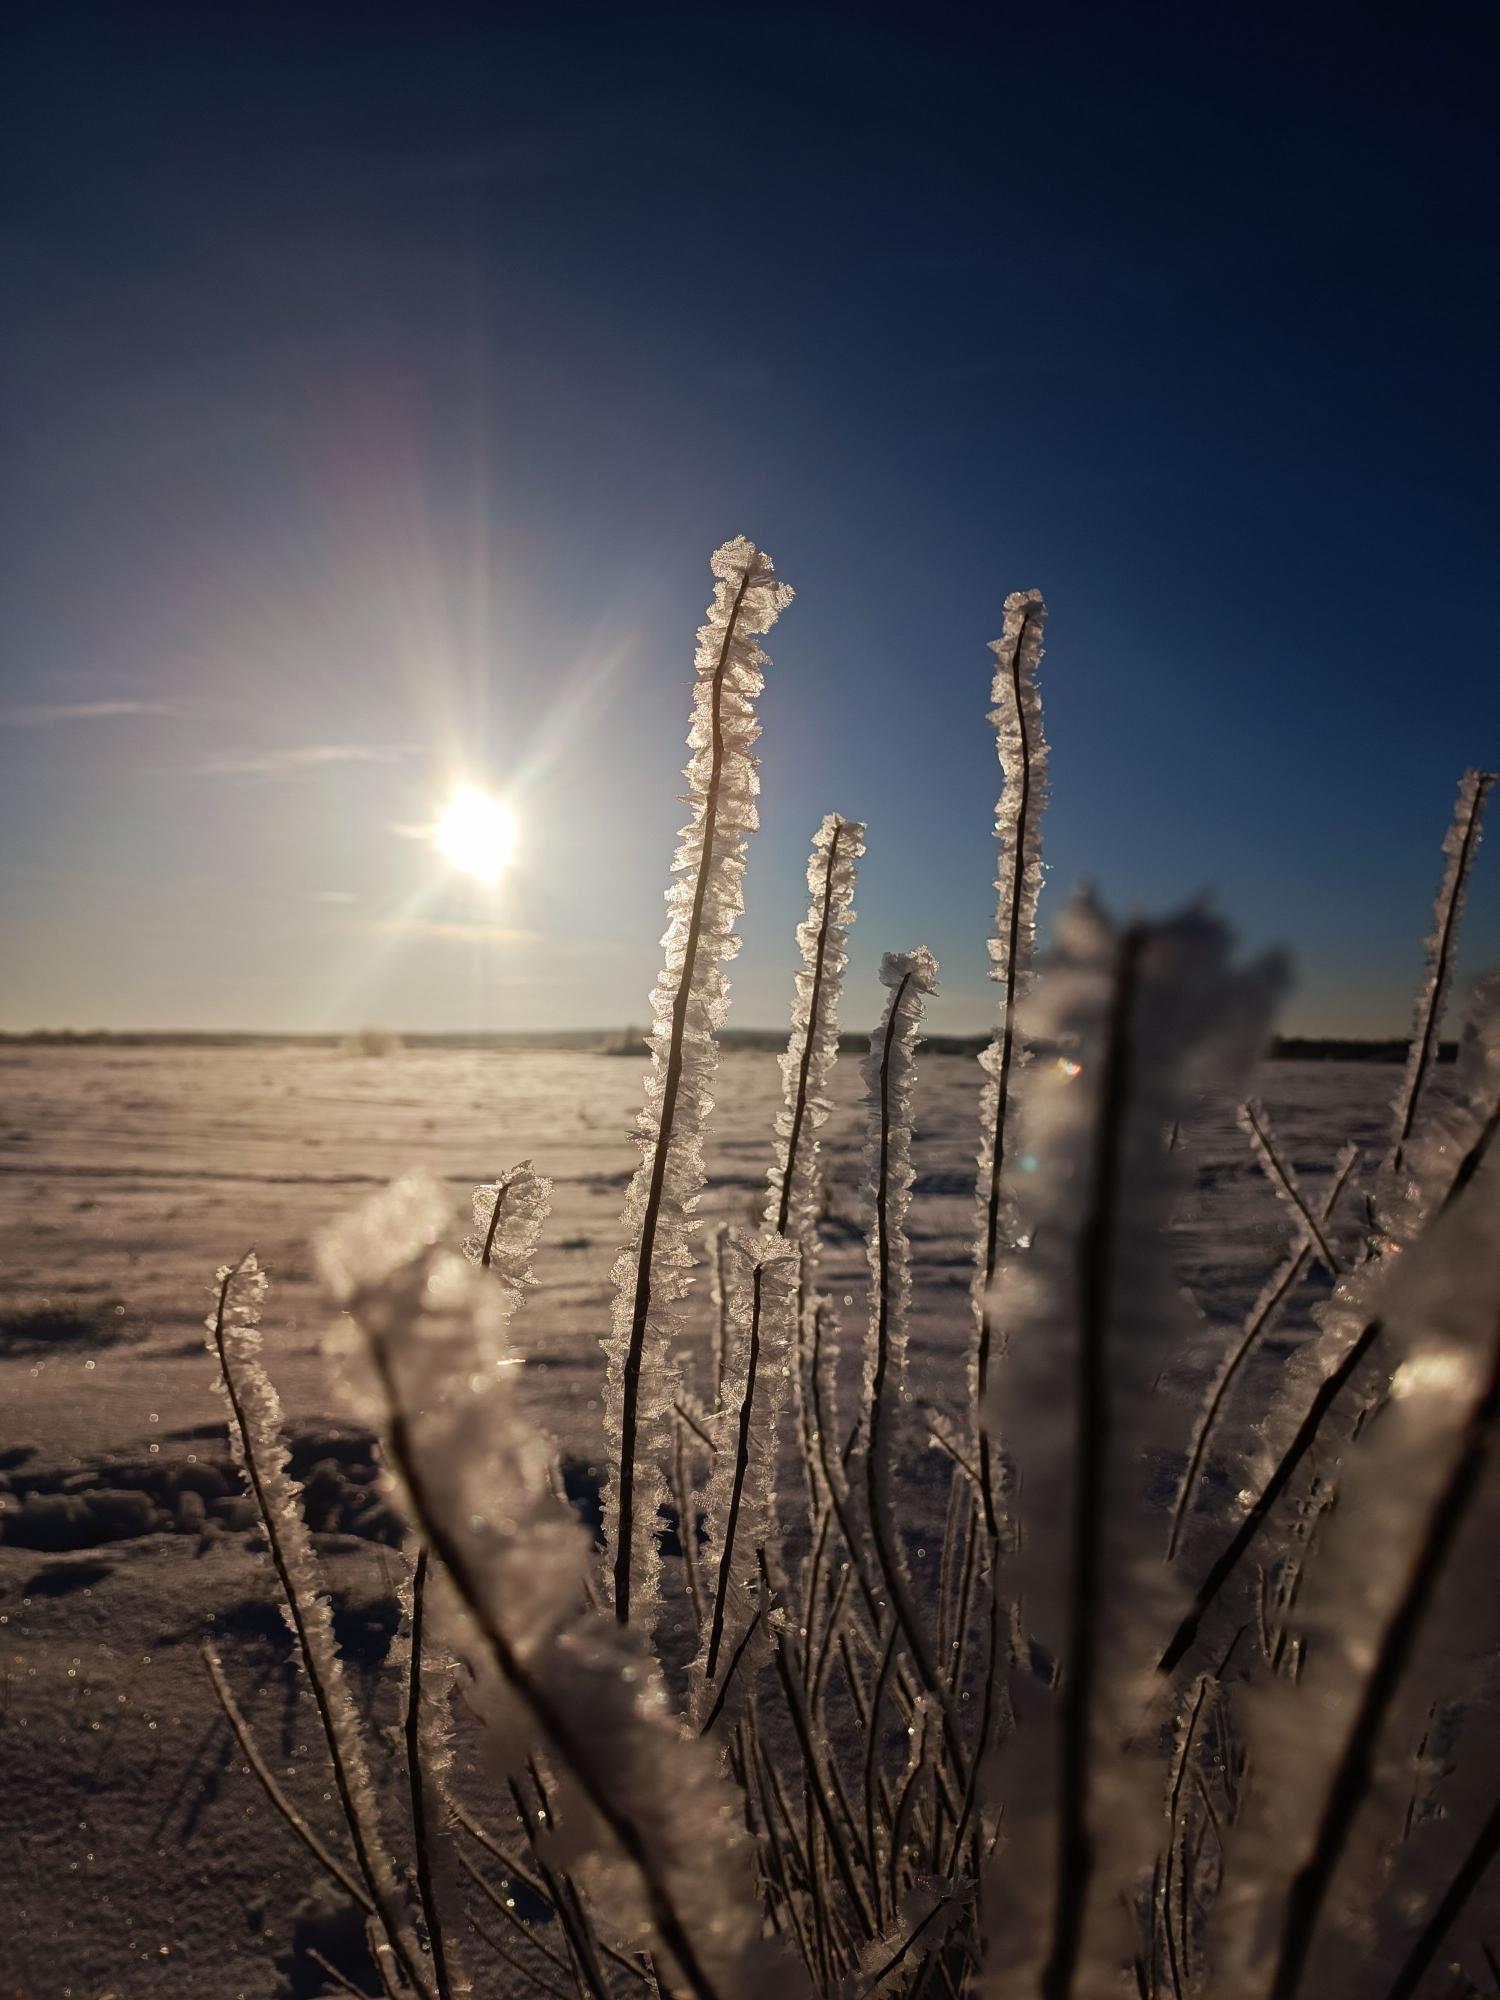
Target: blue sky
pixel 377 384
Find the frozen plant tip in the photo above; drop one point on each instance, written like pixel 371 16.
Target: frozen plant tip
pixel 688 1008
pixel 807 1066
pixel 1458 851
pixel 509 1217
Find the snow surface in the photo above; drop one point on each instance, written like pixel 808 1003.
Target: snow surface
pixel 140 1858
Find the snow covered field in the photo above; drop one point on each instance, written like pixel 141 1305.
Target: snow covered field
pixel 140 1859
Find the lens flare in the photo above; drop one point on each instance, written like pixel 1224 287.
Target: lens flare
pixel 476 833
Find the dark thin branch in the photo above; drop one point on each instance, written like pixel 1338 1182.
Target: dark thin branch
pixel 330 1971
pixel 696 1428
pixel 728 1681
pixel 517 1868
pixel 812 1765
pixel 498 1903
pixel 1255 1121
pixel 539 1982
pixel 273 1791
pixel 907 1946
pixel 575 1925
pixel 737 1488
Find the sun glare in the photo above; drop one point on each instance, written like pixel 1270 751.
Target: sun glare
pixel 476 833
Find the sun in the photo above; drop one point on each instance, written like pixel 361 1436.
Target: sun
pixel 477 833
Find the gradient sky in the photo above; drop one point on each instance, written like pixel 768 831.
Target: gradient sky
pixel 377 383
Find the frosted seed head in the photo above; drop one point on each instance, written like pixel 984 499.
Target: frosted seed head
pixel 919 967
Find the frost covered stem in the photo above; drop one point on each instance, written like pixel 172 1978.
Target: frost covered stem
pixel 736 1492
pixel 388 1922
pixel 810 1034
pixel 1075 1848
pixel 881 1532
pixel 420 1826
pixel 531 1690
pixel 641 1306
pixel 1463 838
pixel 1005 1052
pixel 1353 1778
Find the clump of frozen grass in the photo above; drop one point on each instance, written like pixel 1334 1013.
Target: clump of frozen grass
pixel 1124 1736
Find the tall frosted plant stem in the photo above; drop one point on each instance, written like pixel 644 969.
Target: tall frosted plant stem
pixel 688 1009
pixel 807 1068
pixel 890 1077
pixel 259 1448
pixel 1442 946
pixel 812 1050
pixel 1143 1020
pixel 1022 748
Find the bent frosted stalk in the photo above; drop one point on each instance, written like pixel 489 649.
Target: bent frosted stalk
pixel 258 1447
pixel 651 1830
pixel 1143 1021
pixel 812 1051
pixel 739 1503
pixel 1022 749
pixel 1459 848
pixel 890 1080
pixel 807 1067
pixel 688 1008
